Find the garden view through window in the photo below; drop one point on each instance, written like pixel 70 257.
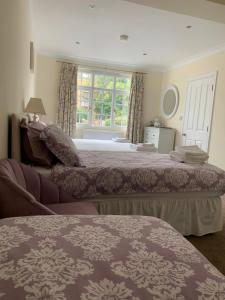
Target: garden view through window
pixel 102 99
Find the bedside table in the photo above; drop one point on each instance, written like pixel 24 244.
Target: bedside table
pixel 162 138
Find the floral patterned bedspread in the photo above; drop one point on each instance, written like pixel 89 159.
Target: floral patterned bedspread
pixel 135 172
pixel 101 258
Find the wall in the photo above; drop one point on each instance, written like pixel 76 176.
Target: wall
pixel 47 82
pixel 179 77
pixel 152 96
pixel 47 85
pixel 199 9
pixel 16 80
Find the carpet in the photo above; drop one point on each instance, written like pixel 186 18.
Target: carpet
pixel 212 246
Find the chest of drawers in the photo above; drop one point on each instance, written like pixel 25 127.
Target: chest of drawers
pixel 162 138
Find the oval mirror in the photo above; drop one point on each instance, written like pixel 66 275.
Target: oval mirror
pixel 169 102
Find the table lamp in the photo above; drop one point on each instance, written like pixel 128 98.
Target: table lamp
pixel 36 107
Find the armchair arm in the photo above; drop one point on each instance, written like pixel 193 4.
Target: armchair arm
pixel 18 202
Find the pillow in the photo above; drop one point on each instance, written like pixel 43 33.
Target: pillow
pixel 34 150
pixel 61 145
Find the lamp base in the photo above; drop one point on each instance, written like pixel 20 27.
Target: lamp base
pixel 36 118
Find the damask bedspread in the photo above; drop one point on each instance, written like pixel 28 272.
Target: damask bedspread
pixel 101 258
pixel 133 172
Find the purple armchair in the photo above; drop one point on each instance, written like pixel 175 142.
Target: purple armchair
pixel 24 192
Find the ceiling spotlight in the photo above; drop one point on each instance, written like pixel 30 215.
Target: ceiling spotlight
pixel 124 37
pixel 78 43
pixel 188 26
pixel 91 6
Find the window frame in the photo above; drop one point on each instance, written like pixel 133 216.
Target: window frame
pixel 114 92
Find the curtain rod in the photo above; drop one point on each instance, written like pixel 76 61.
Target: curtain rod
pixel 99 68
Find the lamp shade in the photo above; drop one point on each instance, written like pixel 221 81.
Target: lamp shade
pixel 35 106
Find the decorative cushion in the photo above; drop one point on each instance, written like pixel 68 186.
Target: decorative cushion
pixel 34 150
pixel 61 145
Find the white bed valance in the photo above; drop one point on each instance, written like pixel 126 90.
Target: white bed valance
pixel 189 213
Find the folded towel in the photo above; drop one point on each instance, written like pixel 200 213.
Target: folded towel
pixel 188 158
pixel 121 140
pixel 146 147
pixel 147 150
pixel 189 154
pixel 193 150
pixel 186 148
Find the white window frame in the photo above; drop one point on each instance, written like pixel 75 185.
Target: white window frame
pixel 113 91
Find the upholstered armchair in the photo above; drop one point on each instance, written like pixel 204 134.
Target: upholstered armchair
pixel 24 192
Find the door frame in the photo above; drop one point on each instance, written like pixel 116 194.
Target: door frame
pixel 214 76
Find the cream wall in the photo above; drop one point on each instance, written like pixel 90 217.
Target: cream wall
pixel 16 80
pixel 47 85
pixel 152 95
pixel 179 77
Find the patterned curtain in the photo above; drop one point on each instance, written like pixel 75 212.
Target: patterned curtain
pixel 67 107
pixel 134 127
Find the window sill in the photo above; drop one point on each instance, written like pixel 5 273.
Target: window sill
pixel 123 128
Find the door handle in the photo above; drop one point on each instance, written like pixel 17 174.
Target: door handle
pixel 184 134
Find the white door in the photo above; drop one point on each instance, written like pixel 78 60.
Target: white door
pixel 198 111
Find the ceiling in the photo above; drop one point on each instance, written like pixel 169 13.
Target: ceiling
pixel 160 33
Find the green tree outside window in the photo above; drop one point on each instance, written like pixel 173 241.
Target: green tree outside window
pixel 102 99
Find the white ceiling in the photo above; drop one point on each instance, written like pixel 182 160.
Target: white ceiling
pixel 162 34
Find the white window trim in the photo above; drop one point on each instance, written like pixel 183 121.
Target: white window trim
pixel 114 91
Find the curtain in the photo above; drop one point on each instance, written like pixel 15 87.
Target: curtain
pixel 67 105
pixel 134 127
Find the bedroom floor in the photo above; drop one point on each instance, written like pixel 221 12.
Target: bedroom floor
pixel 213 246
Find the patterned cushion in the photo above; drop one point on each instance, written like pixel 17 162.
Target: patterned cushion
pixel 61 145
pixel 34 150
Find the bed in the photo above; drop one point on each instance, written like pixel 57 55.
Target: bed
pixel 186 196
pixel 189 199
pixel 102 257
pixel 103 145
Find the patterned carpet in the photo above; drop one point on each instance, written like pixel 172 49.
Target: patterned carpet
pixel 213 246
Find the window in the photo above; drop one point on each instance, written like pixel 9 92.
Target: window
pixel 103 99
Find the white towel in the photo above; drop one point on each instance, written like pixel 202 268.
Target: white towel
pixel 191 150
pixel 143 145
pixel 188 148
pixel 120 140
pixel 147 150
pixel 146 147
pixel 188 158
pixel 189 154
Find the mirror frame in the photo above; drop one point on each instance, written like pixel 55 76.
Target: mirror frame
pixel 175 90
